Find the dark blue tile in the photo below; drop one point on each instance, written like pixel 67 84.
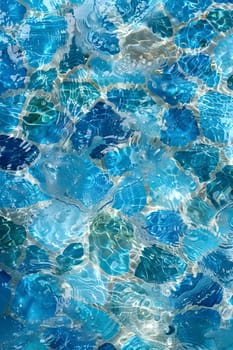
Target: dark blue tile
pixel 71 256
pixel 11 330
pixel 16 153
pixel 195 290
pixel 165 225
pixel 161 24
pixel 221 19
pixel 197 34
pixel 107 43
pixel 106 346
pixel 180 127
pixel 220 190
pixel 132 10
pixel 12 236
pixel 158 265
pixel 220 264
pixel 194 157
pixel 73 58
pixel 230 82
pixel 193 327
pixel 100 121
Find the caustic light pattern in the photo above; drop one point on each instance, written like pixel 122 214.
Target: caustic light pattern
pixel 116 175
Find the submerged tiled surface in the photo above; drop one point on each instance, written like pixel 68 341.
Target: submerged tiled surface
pixel 116 174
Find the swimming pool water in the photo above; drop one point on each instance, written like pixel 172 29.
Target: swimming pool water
pixel 116 174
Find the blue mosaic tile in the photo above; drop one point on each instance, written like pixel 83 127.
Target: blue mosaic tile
pixel 12 238
pixel 220 263
pixel 74 58
pixel 88 285
pixel 75 95
pixel 43 80
pixel 36 260
pixel 16 153
pixel 193 327
pixel 199 211
pixel 66 225
pixel 43 123
pixel 117 162
pixel 184 10
pixel 132 10
pixel 64 338
pixel 5 291
pixel 219 191
pixel 10 108
pixel 71 256
pixel 194 290
pixel 162 175
pixel 17 192
pixel 180 127
pixel 82 172
pixel 49 31
pixel 13 72
pixel 44 5
pixel 230 82
pixel 11 13
pixel 105 42
pixel 110 242
pixel 101 121
pixel 165 225
pixel 130 196
pixel 197 34
pixel 198 243
pixel 200 66
pixel 222 55
pixel 194 157
pixel 11 330
pixel 161 24
pixel 221 19
pixel 39 291
pixel 106 346
pixel 158 265
pixel 102 324
pixel 221 130
pixel 116 175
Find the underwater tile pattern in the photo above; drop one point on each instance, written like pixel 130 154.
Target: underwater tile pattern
pixel 116 175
